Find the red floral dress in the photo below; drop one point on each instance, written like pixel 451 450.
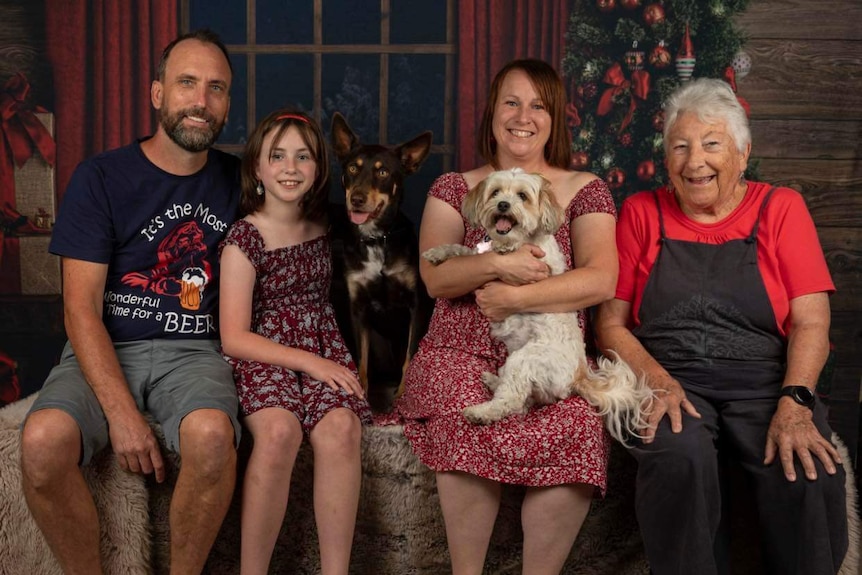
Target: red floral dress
pixel 291 306
pixel 551 445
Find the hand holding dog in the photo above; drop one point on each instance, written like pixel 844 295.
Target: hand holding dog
pixel 497 300
pixel 523 266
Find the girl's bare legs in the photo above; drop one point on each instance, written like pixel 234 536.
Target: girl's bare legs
pixel 337 442
pixel 470 505
pixel 551 518
pixel 277 437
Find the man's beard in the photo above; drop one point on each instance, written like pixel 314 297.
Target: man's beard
pixel 191 139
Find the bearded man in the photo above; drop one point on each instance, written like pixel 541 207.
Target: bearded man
pixel 133 348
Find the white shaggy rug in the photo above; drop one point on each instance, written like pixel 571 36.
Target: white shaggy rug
pixel 399 529
pixel 121 500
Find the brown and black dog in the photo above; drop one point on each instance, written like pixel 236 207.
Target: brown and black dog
pixel 380 250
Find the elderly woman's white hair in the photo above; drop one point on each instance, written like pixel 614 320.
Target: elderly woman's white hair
pixel 711 99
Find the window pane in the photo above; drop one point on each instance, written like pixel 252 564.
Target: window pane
pixel 279 22
pixel 418 22
pixel 351 85
pixel 351 22
pixel 236 131
pixel 284 80
pixel 416 96
pixel 226 17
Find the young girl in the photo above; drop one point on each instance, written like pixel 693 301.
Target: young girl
pixel 293 372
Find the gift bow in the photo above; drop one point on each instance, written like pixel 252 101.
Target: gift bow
pixel 638 86
pixel 20 126
pixel 730 78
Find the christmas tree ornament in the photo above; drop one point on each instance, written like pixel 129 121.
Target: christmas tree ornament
pixel 646 170
pixel 718 8
pixel 580 160
pixel 741 64
pixel 658 121
pixel 615 178
pixel 626 139
pixel 630 4
pixel 660 56
pixel 653 14
pixel 685 59
pixel 588 91
pixel 634 58
pixel 606 5
pixel 658 143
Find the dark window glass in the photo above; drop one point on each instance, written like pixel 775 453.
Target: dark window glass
pixel 416 96
pixel 418 22
pixel 227 19
pixel 236 130
pixel 280 22
pixel 284 80
pixel 351 85
pixel 351 22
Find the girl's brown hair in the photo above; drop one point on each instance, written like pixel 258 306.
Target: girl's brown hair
pixel 313 204
pixel 558 149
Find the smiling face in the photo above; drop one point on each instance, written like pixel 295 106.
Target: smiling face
pixel 192 99
pixel 705 167
pixel 521 124
pixel 286 168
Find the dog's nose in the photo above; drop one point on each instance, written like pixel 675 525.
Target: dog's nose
pixel 357 200
pixel 503 206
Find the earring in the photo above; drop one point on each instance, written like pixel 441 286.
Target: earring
pixel 742 177
pixel 260 189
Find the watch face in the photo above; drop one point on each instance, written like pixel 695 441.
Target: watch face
pixel 800 394
pixel 804 395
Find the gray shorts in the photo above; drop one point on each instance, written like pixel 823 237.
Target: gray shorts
pixel 168 378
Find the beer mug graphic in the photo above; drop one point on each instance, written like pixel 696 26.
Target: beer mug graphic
pixel 192 286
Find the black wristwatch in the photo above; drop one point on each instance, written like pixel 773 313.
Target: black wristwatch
pixel 800 394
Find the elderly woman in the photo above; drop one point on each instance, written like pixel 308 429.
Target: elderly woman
pixel 723 304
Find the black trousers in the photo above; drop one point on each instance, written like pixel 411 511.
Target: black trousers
pixel 803 524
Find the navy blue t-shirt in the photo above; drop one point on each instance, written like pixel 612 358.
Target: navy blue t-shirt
pixel 159 235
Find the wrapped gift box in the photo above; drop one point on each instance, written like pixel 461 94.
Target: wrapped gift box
pixel 25 264
pixel 40 270
pixel 35 195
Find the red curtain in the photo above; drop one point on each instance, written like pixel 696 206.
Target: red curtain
pixel 103 54
pixel 490 34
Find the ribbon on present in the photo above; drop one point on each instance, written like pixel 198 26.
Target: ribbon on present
pixel 21 133
pixel 638 87
pixel 730 77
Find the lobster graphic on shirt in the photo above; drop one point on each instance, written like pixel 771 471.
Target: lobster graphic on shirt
pixel 182 270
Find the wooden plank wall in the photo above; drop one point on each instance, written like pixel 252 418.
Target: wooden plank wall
pixel 805 91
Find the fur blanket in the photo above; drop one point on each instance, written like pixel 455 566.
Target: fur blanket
pixel 399 528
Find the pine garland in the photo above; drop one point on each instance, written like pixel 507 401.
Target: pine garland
pixel 621 146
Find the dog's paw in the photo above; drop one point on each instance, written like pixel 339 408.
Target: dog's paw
pixel 476 414
pixel 436 255
pixel 442 253
pixel 492 381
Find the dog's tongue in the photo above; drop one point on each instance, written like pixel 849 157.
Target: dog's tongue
pixel 503 225
pixel 359 218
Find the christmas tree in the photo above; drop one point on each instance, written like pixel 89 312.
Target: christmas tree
pixel 623 58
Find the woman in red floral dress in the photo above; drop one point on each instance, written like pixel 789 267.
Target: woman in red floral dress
pixel 559 451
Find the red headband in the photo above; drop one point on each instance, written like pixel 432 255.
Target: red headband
pixel 292 117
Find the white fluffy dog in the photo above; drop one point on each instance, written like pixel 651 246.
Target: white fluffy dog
pixel 547 360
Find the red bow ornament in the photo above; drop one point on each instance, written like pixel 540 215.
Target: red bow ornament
pixel 21 133
pixel 638 87
pixel 730 78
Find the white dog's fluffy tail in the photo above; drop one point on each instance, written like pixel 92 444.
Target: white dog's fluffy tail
pixel 622 399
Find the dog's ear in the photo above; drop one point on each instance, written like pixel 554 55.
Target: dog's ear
pixel 414 152
pixel 472 203
pixel 343 138
pixel 551 216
